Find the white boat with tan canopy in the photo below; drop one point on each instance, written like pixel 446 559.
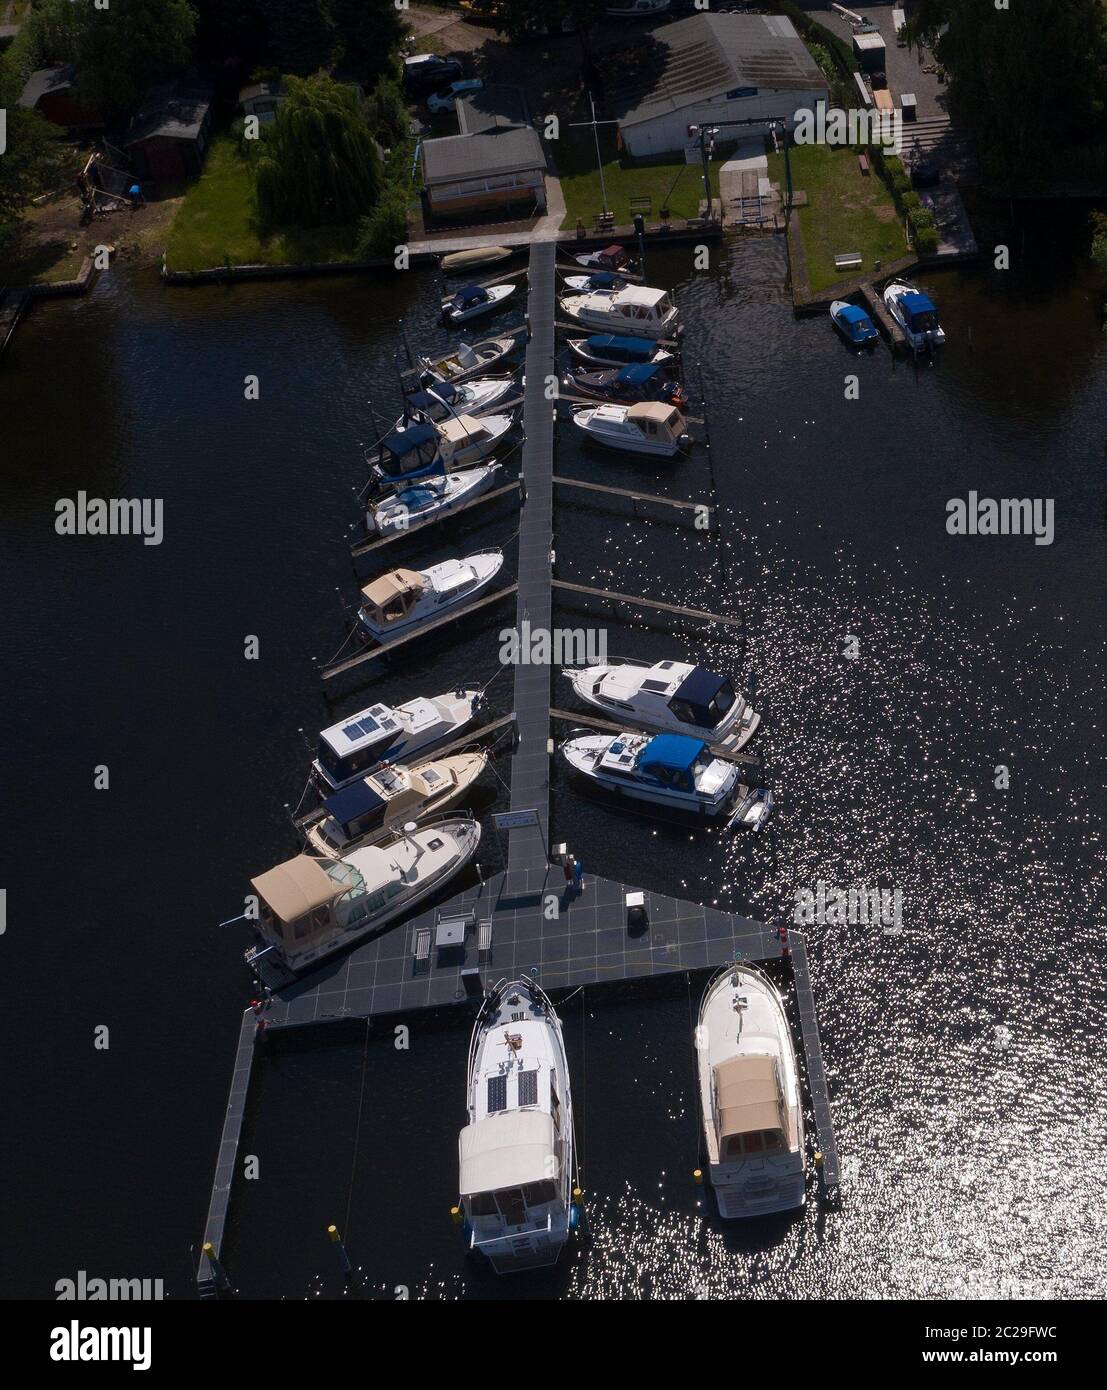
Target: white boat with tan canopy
pixel 403 599
pixel 641 310
pixel 309 908
pixel 516 1152
pixel 749 1090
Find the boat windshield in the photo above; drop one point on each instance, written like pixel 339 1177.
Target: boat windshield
pixel 512 1203
pixel 345 875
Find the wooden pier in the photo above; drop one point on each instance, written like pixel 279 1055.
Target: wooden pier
pixel 636 601
pixel 879 313
pixel 648 498
pixel 367 545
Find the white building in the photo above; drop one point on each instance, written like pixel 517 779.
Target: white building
pixel 707 68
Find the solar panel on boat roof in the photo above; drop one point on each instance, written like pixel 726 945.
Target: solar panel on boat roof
pixel 528 1088
pixel 655 686
pixel 497 1094
pixel 360 728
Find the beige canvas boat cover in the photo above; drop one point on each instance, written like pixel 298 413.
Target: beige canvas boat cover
pixel 507 1150
pixel 748 1095
pixel 459 428
pixel 385 589
pixel 657 411
pixel 641 294
pixel 296 887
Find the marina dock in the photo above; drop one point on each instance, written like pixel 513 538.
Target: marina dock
pixel 526 917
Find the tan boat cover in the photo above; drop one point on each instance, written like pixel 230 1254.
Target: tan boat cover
pixel 385 589
pixel 296 887
pixel 657 411
pixel 507 1150
pixel 748 1096
pixel 460 428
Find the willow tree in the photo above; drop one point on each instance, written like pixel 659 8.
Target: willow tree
pixel 319 166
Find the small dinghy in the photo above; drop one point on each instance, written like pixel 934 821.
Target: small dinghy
pixel 461 262
pixel 640 311
pixel 474 300
pixel 598 280
pixel 669 771
pixel 403 600
pixel 310 908
pixel 609 350
pixel 362 742
pixel 750 1102
pixel 627 385
pixel 377 806
pixel 916 314
pixel 651 428
pixel 430 500
pixel 516 1153
pixel 854 324
pixel 669 696
pixel 444 398
pixel 469 360
pixel 613 257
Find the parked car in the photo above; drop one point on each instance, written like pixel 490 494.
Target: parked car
pixel 445 99
pixel 429 72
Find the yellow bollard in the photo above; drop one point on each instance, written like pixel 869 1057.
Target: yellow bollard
pixel 697 1175
pixel 818 1158
pixel 455 1213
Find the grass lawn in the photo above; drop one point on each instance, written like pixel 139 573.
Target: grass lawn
pixel 846 211
pixel 217 223
pixel 677 185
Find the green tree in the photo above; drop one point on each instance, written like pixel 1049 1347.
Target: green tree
pixel 122 50
pixel 299 35
pixel 31 164
pixel 319 166
pixel 1023 82
pixel 367 35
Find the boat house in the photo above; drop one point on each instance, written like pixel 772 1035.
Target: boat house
pixel 169 136
pixel 497 162
pixel 710 67
pixel 52 93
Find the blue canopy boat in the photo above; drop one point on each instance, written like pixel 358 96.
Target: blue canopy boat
pixel 407 455
pixel 472 300
pixel 916 314
pixel 608 350
pixel 853 323
pixel 642 381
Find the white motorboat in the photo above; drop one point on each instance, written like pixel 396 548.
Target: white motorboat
pixel 378 806
pixel 404 599
pixel 671 697
pixel 445 398
pixel 516 1152
pixel 650 427
pixel 309 908
pixel 393 733
pixel 461 262
pixel 609 350
pixel 636 9
pixel 473 300
pixel 750 1099
pixel 916 314
pixel 638 310
pixel 430 500
pixel 613 257
pixel 598 280
pixel 670 771
pixel 469 360
pixel 423 448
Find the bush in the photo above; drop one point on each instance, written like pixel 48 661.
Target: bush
pixel 893 164
pixel 926 240
pixel 922 219
pixel 385 227
pixel 813 32
pixel 387 112
pixel 911 201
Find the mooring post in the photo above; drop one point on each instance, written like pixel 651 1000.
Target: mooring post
pixel 343 1257
pixel 219 1274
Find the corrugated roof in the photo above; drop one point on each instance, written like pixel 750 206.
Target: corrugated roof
pixel 706 56
pixel 504 150
pixel 172 111
pixel 496 104
pixel 55 79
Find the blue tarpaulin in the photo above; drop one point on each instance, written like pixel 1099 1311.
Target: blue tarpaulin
pixel 670 753
pixel 638 374
pixel 353 802
pixel 468 296
pixel 626 347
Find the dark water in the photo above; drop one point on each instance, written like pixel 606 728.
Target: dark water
pixel 966 1054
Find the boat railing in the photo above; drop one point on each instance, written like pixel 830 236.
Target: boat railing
pixel 475 1244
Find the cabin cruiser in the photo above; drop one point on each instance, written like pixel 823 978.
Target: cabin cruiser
pixel 376 807
pixel 651 427
pixel 423 448
pixel 310 908
pixel 610 350
pixel 613 257
pixel 853 324
pixel 749 1095
pixel 469 360
pixel 459 262
pixel 516 1152
pixel 671 697
pixel 916 314
pixel 393 733
pixel 404 599
pixel 667 770
pixel 474 300
pixel 445 398
pixel 638 310
pixel 598 280
pixel 430 500
pixel 627 385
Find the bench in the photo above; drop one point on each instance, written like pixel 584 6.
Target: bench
pixel 850 261
pixel 863 163
pixel 422 948
pixel 641 204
